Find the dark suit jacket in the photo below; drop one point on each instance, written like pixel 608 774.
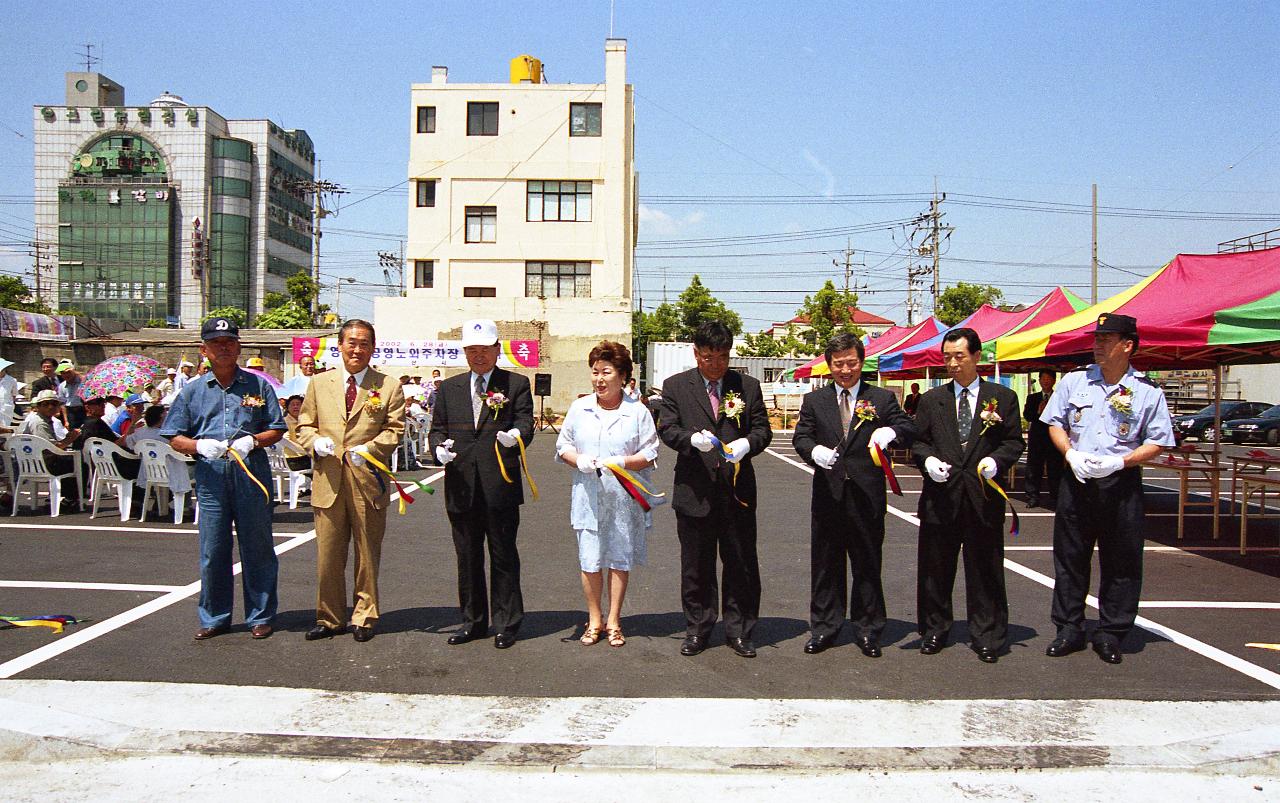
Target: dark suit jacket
pixel 936 418
pixel 476 465
pixel 819 425
pixel 704 477
pixel 1037 430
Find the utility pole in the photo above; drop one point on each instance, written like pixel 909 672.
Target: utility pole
pixel 337 294
pixel 938 235
pixel 318 189
pixel 848 267
pixel 39 252
pixel 389 261
pixel 1093 287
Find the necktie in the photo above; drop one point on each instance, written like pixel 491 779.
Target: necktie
pixel 713 395
pixel 846 414
pixel 964 416
pixel 477 402
pixel 351 393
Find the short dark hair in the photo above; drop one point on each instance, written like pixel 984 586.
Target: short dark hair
pixel 49 361
pixel 713 335
pixel 843 342
pixel 971 340
pixel 616 354
pixel 154 415
pixel 289 400
pixel 354 323
pixel 1044 371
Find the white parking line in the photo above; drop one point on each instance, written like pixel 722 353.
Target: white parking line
pixel 1228 660
pixel 51 525
pixel 1242 606
pixel 86 586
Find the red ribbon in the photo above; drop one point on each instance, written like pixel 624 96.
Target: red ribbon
pixel 878 457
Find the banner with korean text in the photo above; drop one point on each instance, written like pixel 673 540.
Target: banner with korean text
pixel 416 353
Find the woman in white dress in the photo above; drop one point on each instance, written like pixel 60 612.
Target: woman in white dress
pixel 605 429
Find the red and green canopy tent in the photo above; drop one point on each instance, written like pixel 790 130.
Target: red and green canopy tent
pixel 1198 311
pixel 897 337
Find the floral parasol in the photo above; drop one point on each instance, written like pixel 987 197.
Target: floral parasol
pixel 120 376
pixel 271 380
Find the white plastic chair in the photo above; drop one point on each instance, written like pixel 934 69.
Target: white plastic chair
pixel 105 475
pixel 28 452
pixel 154 475
pixel 278 455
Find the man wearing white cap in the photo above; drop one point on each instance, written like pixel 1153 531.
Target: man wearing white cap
pixel 164 388
pixel 478 416
pixel 186 370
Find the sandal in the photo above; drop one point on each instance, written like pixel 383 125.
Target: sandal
pixel 590 635
pixel 616 639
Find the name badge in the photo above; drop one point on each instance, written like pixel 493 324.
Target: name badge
pixel 1124 429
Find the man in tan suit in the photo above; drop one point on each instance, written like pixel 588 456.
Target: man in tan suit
pixel 348 414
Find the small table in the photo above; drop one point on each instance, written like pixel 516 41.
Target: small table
pixel 1187 463
pixel 1250 473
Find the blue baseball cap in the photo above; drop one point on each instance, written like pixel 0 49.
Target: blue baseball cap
pixel 135 398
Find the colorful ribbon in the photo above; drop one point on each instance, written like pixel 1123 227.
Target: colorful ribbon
pixel 633 486
pixel 886 465
pixel 54 623
pixel 1263 645
pixel 375 465
pixel 726 453
pixel 256 481
pixel 524 466
pixel 1015 527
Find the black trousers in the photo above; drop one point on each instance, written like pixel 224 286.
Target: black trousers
pixel 730 532
pixel 470 531
pixel 1043 458
pixel 850 532
pixel 1107 512
pixel 986 604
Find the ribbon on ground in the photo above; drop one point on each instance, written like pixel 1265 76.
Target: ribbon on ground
pixel 524 466
pixel 236 455
pixel 886 465
pixel 54 623
pixel 633 486
pixel 726 454
pixel 1015 526
pixel 1263 646
pixel 375 465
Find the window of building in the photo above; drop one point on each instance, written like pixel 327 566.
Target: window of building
pixel 479 292
pixel 559 200
pixel 426 192
pixel 557 279
pixel 482 224
pixel 584 119
pixel 482 119
pixel 426 119
pixel 424 273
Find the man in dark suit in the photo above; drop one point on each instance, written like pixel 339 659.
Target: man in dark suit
pixel 970 431
pixel 837 426
pixel 473 411
pixel 715 495
pixel 1042 456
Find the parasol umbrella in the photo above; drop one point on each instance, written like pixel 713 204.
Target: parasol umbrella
pixel 271 380
pixel 120 376
pixel 296 386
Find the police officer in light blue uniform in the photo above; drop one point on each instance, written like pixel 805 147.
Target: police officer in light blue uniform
pixel 230 409
pixel 1106 420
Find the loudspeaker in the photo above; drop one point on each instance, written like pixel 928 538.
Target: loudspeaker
pixel 542 384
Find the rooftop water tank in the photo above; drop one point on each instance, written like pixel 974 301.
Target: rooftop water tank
pixel 526 69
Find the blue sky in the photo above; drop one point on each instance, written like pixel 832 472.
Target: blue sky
pixel 1166 106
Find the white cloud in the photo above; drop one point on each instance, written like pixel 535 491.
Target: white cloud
pixel 822 169
pixel 655 221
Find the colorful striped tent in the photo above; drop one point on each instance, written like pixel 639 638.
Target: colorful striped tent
pixel 895 337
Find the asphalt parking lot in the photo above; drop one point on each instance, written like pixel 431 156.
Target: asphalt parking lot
pixel 135 584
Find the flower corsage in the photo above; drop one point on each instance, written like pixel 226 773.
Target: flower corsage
pixel 733 406
pixel 253 401
pixel 1122 401
pixel 864 411
pixel 374 401
pixel 989 415
pixel 496 402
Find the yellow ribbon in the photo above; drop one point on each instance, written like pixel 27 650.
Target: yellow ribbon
pixel 1016 527
pixel 256 481
pixel 1263 646
pixel 400 497
pixel 524 466
pixel 616 469
pixel 52 624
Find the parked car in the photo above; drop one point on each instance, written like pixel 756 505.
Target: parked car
pixel 1264 428
pixel 1199 425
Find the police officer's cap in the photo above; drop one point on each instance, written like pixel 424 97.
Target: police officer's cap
pixel 219 327
pixel 1120 324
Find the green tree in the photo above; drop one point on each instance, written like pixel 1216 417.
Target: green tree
pixel 830 311
pixel 959 302
pixel 766 345
pixel 302 289
pixel 235 314
pixel 288 315
pixel 696 306
pixel 14 294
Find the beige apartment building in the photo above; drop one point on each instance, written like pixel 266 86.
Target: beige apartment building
pixel 522 208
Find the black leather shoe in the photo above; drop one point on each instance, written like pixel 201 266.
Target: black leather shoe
pixel 361 634
pixel 986 655
pixel 504 640
pixel 1108 652
pixel 932 645
pixel 693 645
pixel 742 646
pixel 463 636
pixel 320 631
pixel 1061 647
pixel 869 646
pixel 1033 500
pixel 817 644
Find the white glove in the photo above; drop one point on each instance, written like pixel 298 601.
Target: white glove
pixel 510 437
pixel 824 457
pixel 987 467
pixel 937 470
pixel 883 436
pixel 1079 462
pixel 588 463
pixel 210 449
pixel 445 453
pixel 356 454
pixel 243 445
pixel 700 441
pixel 324 447
pixel 738 450
pixel 613 460
pixel 1106 466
